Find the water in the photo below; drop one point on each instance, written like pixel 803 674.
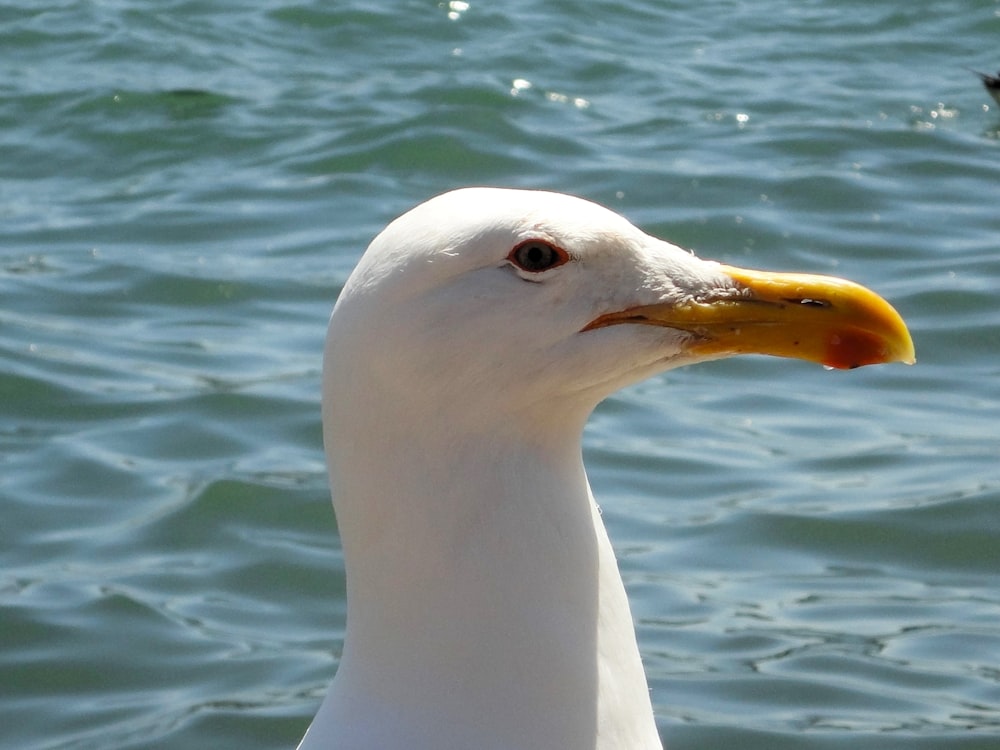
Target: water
pixel 812 557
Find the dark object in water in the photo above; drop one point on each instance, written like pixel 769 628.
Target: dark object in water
pixel 991 84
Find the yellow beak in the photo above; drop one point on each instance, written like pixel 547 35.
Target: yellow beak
pixel 817 318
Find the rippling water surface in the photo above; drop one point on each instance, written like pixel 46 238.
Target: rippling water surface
pixel 813 557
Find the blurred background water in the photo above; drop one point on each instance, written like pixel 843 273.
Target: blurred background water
pixel 813 557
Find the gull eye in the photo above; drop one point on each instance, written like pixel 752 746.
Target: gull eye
pixel 535 256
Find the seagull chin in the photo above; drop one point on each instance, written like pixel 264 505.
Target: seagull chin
pixel 468 348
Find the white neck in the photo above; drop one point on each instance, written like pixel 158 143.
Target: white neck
pixel 484 604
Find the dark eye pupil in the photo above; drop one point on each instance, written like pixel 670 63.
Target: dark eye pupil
pixel 536 257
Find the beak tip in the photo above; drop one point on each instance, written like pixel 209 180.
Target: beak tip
pixel 908 353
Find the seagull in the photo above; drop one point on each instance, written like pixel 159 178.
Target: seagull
pixel 991 84
pixel 477 333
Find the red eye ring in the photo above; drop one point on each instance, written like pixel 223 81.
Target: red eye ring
pixel 535 256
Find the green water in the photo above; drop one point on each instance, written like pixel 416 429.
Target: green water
pixel 813 557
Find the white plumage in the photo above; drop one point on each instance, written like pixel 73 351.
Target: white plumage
pixel 469 346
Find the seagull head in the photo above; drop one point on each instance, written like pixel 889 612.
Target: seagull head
pixel 517 302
